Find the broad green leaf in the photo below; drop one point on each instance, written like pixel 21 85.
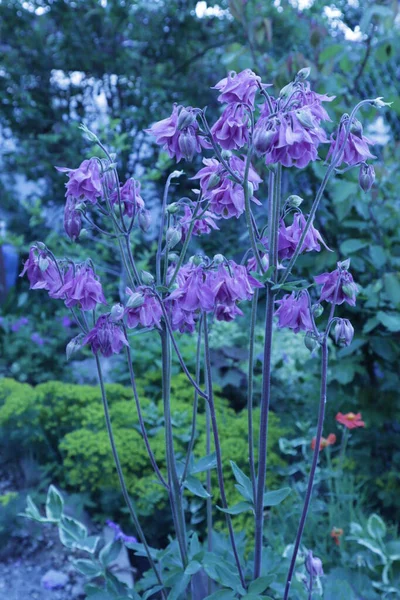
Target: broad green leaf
pixel 72 533
pixel 89 544
pixel 378 256
pixel 110 552
pixel 373 547
pixel 258 586
pixel 179 587
pixel 194 546
pixel 193 567
pixel 205 464
pixel 54 505
pixel 237 509
pixel 152 591
pixel 391 284
pixel 393 550
pixel 376 527
pixel 350 246
pixel 243 481
pixel 194 486
pixel 370 324
pixel 32 511
pixel 276 497
pixel 87 567
pixel 331 51
pixel 389 320
pixel 220 595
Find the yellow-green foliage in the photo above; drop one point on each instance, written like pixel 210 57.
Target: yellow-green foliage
pixel 69 420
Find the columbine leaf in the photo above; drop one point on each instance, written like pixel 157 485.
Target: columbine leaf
pixel 194 486
pixel 237 509
pixel 276 497
pixel 87 567
pixel 54 505
pixel 205 464
pixel 110 552
pixel 244 487
pixel 258 586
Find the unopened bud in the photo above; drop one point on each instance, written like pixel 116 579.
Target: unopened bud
pixel 187 145
pixel 185 118
pixel 344 332
pixel 83 234
pixel 213 181
pixel 173 236
pixel 172 208
pixel 43 263
pixel 263 139
pixel 303 74
pixel 305 118
pixel 218 259
pixel 196 260
pixel 147 278
pixel 117 312
pixel 286 91
pixel 294 201
pixel 89 134
pixel 310 342
pixel 317 310
pixel 366 177
pixel 356 128
pixel 378 102
pixel 136 299
pixel 173 257
pixel 314 565
pixel 344 265
pixel 74 345
pixel 226 154
pixel 144 220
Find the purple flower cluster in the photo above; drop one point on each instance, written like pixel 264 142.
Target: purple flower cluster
pixel 238 87
pixel 289 237
pixel 42 272
pixel 294 312
pixel 85 182
pixel 202 226
pixel 338 286
pixel 231 130
pixel 143 308
pixel 355 150
pixel 106 337
pixel 131 200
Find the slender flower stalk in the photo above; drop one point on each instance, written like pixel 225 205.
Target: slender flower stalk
pixel 307 500
pixel 217 445
pixel 121 478
pixel 250 387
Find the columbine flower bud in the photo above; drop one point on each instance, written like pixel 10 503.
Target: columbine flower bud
pixel 186 118
pixel 196 260
pixel 187 145
pixel 43 263
pixel 317 310
pixel 314 565
pixel 173 257
pixel 344 332
pixel 89 134
pixel 294 201
pixel 218 259
pixel 213 181
pixel 173 236
pixel 310 342
pixel 74 345
pixel 147 278
pixel 117 312
pixel 262 139
pixel 172 208
pixel 286 91
pixel 136 299
pixel 305 118
pixel 366 177
pixel 356 128
pixel 344 265
pixel 144 220
pixel 226 154
pixel 378 102
pixel 303 74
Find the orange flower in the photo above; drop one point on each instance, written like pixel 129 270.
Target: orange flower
pixel 350 420
pixel 331 439
pixel 336 534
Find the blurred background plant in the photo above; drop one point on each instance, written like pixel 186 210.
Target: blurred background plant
pixel 117 66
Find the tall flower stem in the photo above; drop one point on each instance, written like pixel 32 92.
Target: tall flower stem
pixel 250 386
pixel 121 478
pixel 175 489
pixel 247 206
pixel 307 500
pixel 217 445
pixel 273 210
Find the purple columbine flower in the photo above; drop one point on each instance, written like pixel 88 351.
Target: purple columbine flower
pixel 181 319
pixel 143 308
pixel 42 272
pixel 338 286
pixel 82 288
pixel 179 134
pixel 201 226
pixel 195 294
pixel 289 238
pixel 131 200
pixel 366 177
pixel 106 337
pixel 305 97
pixel 72 218
pixel 356 148
pixel 120 535
pixel 238 87
pixel 231 130
pixel 314 565
pixel 294 312
pixel 19 323
pixel 85 181
pixel 37 339
pixel 232 283
pixel 344 332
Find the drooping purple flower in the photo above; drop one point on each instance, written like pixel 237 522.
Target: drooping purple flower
pixel 85 181
pixel 72 219
pixel 19 323
pixel 227 312
pixel 143 308
pixel 231 130
pixel 238 87
pixel 195 294
pixel 131 200
pixel 232 283
pixel 179 134
pixel 366 177
pixel 41 271
pixel 204 225
pixel 184 319
pixel 344 332
pixel 294 312
pixel 314 565
pixel 37 339
pixel 120 535
pixel 338 286
pixel 227 200
pixel 356 149
pixel 289 238
pixel 305 97
pixel 210 175
pixel 106 337
pixel 82 288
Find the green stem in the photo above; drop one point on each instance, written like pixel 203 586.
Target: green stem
pixel 121 478
pixel 247 211
pixel 184 248
pixel 250 388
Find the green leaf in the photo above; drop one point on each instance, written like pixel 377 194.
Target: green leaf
pixel 194 546
pixel 110 552
pixel 389 320
pixel 393 550
pixel 378 256
pixel 194 486
pixel 391 284
pixel 220 595
pixel 72 533
pixel 152 591
pixel 32 511
pixel 193 567
pixel 89 544
pixel 376 527
pixel 370 544
pixel 245 487
pixel 54 505
pixel 205 464
pixel 179 587
pixel 87 567
pixel 350 246
pixel 237 509
pixel 276 497
pixel 370 324
pixel 258 586
pixel 331 51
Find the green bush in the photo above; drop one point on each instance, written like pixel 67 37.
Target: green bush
pixel 63 426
